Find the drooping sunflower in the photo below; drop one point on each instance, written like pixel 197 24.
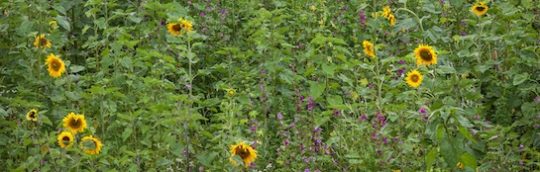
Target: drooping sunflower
pixel 479 9
pixel 414 79
pixel 425 55
pixel 245 152
pixel 91 145
pixel 65 139
pixel 392 19
pixel 32 115
pixel 41 42
pixel 74 122
pixel 369 50
pixel 56 66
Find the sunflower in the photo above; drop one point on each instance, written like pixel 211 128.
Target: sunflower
pixel 460 165
pixel 65 139
pixel 386 11
pixel 174 28
pixel 479 9
pixel 41 42
pixel 56 66
pixel 177 28
pixel 230 92
pixel 368 48
pixel 74 122
pixel 392 19
pixel 32 115
pixel 414 79
pixel 186 25
pixel 244 151
pixel 91 145
pixel 425 55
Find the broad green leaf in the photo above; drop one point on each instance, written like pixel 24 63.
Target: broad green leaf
pixel 316 89
pixel 520 78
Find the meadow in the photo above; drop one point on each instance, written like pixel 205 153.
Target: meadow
pixel 270 85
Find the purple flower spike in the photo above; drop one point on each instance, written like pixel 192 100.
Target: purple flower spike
pixel 311 104
pixel 279 116
pixel 363 118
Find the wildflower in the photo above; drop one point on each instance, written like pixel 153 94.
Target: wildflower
pixel 362 117
pixel 56 66
pixel 65 139
pixel 279 116
pixel 311 104
pixel 425 55
pixel 369 50
pixel 41 42
pixel 91 145
pixel 245 152
pixel 179 27
pixel 74 122
pixel 230 92
pixel 479 9
pixel 32 115
pixel 414 79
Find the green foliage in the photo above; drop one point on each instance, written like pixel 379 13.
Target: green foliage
pixel 305 95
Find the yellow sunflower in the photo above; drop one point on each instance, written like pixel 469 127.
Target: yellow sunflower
pixel 174 28
pixel 177 28
pixel 32 115
pixel 386 11
pixel 369 50
pixel 392 19
pixel 244 151
pixel 74 122
pixel 65 139
pixel 479 9
pixel 425 55
pixel 91 145
pixel 41 42
pixel 414 79
pixel 56 66
pixel 186 25
pixel 460 165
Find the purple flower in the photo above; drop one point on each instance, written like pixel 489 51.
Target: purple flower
pixel 401 62
pixel 311 104
pixel 279 116
pixel 202 14
pixel 286 142
pixel 307 169
pixel 395 139
pixel 337 113
pixel 317 129
pixel 362 117
pixel 422 110
pixel 401 71
pixel 374 136
pixel 381 119
pixel 537 99
pixel 362 18
pixel 385 140
pixel 253 127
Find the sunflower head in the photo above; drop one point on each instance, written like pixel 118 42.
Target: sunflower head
pixel 65 139
pixel 91 145
pixel 392 19
pixel 32 115
pixel 479 9
pixel 230 92
pixel 56 66
pixel 425 55
pixel 182 26
pixel 369 50
pixel 186 25
pixel 386 11
pixel 41 42
pixel 74 122
pixel 245 152
pixel 414 79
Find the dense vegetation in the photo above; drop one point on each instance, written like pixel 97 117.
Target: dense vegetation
pixel 274 85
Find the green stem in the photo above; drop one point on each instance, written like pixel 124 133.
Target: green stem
pixel 415 16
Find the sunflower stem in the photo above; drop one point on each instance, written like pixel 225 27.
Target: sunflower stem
pixel 415 16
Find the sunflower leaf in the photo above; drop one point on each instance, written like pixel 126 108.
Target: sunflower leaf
pixel 63 22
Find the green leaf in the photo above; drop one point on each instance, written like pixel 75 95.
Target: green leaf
pixel 520 78
pixel 465 132
pixel 127 132
pixel 430 157
pixel 316 89
pixel 76 68
pixel 62 21
pixel 468 160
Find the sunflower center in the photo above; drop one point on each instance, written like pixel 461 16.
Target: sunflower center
pixel 42 41
pixel 177 27
pixel 75 123
pixel 55 64
pixel 480 8
pixel 65 139
pixel 415 78
pixel 243 153
pixel 32 114
pixel 426 55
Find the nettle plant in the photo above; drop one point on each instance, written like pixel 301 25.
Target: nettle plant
pixel 213 85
